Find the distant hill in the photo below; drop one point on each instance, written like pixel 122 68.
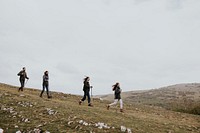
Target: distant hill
pixel 180 97
pixel 28 113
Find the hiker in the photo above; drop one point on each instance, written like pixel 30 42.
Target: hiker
pixel 117 98
pixel 45 84
pixel 22 76
pixel 86 89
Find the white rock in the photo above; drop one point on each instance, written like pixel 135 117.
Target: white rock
pixel 37 130
pixel 101 124
pixel 123 128
pixel 50 111
pixel 18 132
pixel 129 130
pixel 106 126
pixel 26 120
pixel 100 127
pixel 1 130
pixel 4 109
pixel 6 94
pixel 39 125
pixel 81 122
pixel 101 99
pixel 69 123
pixel 14 113
pixel 96 125
pixel 11 111
pixel 85 123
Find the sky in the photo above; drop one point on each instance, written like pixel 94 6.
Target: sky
pixel 142 44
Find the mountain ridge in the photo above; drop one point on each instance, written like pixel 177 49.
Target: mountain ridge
pixel 178 97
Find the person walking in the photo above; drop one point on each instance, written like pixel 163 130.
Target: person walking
pixel 86 89
pixel 22 76
pixel 45 84
pixel 117 98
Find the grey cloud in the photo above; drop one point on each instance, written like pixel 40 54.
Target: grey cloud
pixel 175 4
pixel 64 67
pixel 140 43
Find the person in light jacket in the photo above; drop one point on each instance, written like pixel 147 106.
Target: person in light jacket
pixel 45 84
pixel 117 90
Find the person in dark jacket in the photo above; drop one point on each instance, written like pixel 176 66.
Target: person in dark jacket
pixel 117 98
pixel 86 89
pixel 45 84
pixel 22 76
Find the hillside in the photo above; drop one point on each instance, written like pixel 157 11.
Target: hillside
pixel 180 97
pixel 27 112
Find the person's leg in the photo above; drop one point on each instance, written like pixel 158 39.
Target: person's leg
pixel 88 96
pixel 43 87
pixel 114 103
pixel 83 99
pixel 89 99
pixel 121 104
pixel 47 89
pixel 22 84
pixel 23 81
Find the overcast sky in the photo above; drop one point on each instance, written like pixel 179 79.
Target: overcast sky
pixel 143 44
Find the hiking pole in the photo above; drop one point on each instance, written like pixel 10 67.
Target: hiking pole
pixel 26 81
pixel 91 92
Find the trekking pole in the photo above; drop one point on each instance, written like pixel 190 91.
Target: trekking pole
pixel 26 81
pixel 91 92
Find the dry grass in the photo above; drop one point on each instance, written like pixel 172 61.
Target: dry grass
pixel 181 97
pixel 139 118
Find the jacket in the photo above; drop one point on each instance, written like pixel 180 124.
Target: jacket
pixel 45 79
pixel 22 75
pixel 117 90
pixel 86 86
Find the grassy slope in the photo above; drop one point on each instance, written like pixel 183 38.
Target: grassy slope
pixel 180 97
pixel 139 118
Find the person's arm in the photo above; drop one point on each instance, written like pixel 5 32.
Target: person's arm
pixel 26 76
pixel 43 78
pixel 19 73
pixel 114 87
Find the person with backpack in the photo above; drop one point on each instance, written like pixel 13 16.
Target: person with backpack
pixel 45 84
pixel 22 76
pixel 117 98
pixel 86 89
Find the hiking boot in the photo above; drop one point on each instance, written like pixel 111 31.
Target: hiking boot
pixel 80 102
pixel 121 110
pixel 108 106
pixel 90 105
pixel 20 89
pixel 49 96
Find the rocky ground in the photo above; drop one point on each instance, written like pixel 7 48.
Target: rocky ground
pixel 26 112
